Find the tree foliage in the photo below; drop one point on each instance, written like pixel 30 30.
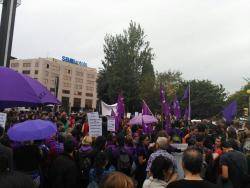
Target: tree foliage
pixel 207 99
pixel 127 67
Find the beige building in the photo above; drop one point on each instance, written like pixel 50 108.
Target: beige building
pixel 73 83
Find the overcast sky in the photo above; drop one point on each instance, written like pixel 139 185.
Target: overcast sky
pixel 204 39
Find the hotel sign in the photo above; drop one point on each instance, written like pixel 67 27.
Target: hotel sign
pixel 73 61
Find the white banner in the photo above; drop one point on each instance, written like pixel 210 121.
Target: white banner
pixel 95 124
pixel 3 117
pixel 107 109
pixel 111 124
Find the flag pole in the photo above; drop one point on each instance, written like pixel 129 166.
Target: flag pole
pixel 189 103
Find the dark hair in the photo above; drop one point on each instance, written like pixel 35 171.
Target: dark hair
pixel 192 160
pixel 69 145
pixel 100 143
pixel 227 144
pixel 142 138
pixel 200 138
pixel 160 165
pixel 120 140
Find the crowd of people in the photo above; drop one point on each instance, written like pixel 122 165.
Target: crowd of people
pixel 217 154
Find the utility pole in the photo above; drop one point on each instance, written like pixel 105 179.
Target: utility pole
pixel 7 29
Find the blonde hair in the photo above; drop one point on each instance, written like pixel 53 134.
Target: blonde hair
pixel 87 140
pixel 117 180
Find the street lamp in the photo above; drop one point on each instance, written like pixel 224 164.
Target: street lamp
pixel 6 29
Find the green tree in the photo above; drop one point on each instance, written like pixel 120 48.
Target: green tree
pixel 241 97
pixel 207 99
pixel 127 67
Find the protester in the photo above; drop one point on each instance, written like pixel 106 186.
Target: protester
pixel 99 171
pixel 117 180
pixel 64 172
pixel 161 146
pixel 161 172
pixel 192 164
pixel 233 166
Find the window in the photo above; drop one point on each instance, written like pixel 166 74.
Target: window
pixel 79 80
pixel 89 88
pixel 90 82
pixel 14 65
pixel 88 103
pixel 67 78
pixel 35 78
pixel 89 94
pixel 79 74
pixel 77 102
pixel 68 71
pixel 52 89
pixel 91 76
pixel 66 84
pixel 66 91
pixel 37 65
pixel 26 65
pixel 46 73
pixel 78 93
pixel 78 87
pixel 26 71
pixel 36 71
pixel 47 66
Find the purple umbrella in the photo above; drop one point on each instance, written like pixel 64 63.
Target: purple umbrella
pixel 32 130
pixel 18 90
pixel 139 120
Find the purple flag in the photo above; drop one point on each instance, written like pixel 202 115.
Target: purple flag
pixel 113 114
pixel 120 111
pixel 176 108
pixel 229 111
pixel 185 117
pixel 145 109
pixel 186 93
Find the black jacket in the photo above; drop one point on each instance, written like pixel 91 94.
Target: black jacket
pixel 64 173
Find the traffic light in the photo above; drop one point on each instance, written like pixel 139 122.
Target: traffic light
pixel 245 112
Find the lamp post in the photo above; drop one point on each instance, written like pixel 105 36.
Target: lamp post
pixel 248 92
pixel 6 29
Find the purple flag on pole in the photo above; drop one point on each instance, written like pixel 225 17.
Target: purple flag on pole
pixel 185 117
pixel 229 111
pixel 146 111
pixel 186 93
pixel 120 111
pixel 176 108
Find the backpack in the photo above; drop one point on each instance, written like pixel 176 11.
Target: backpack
pixel 123 162
pixel 85 164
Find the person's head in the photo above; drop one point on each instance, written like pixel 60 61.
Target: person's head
pixel 117 180
pixel 199 140
pixel 217 142
pixel 120 140
pixel 101 160
pixel 144 140
pixel 69 145
pixel 192 161
pixel 87 141
pixel 231 133
pixel 100 143
pixel 194 130
pixel 161 168
pixel 162 133
pixel 162 143
pixel 226 146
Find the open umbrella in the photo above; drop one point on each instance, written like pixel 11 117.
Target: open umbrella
pixel 140 119
pixel 32 130
pixel 19 90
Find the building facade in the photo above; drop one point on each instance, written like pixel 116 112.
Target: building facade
pixel 73 84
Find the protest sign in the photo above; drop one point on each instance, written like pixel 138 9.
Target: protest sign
pixel 95 124
pixel 111 124
pixel 3 117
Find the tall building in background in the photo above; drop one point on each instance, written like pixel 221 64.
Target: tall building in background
pixel 72 82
